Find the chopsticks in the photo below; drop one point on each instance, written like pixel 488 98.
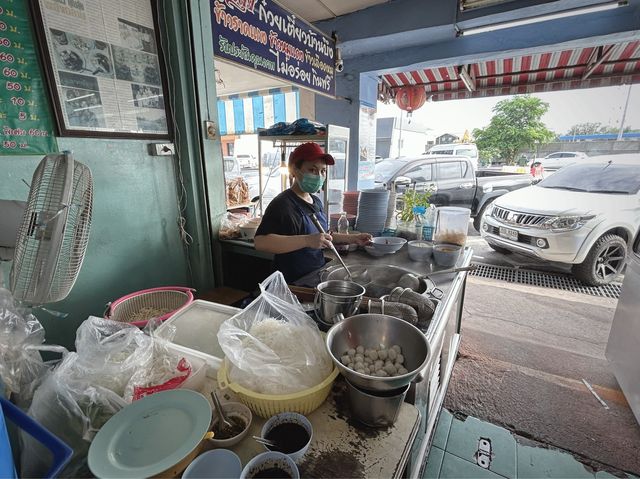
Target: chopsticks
pixel 264 441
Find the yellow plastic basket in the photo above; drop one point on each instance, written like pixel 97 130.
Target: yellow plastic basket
pixel 266 405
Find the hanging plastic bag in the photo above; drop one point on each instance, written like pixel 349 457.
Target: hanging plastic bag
pixel 21 340
pixel 273 346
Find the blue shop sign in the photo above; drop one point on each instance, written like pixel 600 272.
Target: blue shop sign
pixel 263 36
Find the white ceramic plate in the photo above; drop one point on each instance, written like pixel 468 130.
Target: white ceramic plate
pixel 150 435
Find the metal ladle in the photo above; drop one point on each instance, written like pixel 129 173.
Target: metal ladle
pixel 314 218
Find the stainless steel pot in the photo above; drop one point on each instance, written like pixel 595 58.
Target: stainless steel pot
pixel 337 299
pixel 371 330
pixel 376 410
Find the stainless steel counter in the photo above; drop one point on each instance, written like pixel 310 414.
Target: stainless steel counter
pixel 443 334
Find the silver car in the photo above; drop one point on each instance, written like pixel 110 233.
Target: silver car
pixel 584 215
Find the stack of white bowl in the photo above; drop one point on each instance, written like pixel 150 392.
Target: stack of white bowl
pixel 372 211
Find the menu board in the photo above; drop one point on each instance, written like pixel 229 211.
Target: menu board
pixel 25 116
pixel 105 67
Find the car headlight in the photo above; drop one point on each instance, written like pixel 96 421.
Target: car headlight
pixel 489 209
pixel 567 223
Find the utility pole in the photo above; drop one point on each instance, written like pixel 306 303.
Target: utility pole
pixel 624 113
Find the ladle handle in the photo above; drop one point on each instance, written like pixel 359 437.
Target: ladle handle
pixel 314 218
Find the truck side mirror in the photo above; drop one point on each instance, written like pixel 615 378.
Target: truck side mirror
pixel 402 181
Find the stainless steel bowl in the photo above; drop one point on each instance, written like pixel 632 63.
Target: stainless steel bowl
pixel 371 330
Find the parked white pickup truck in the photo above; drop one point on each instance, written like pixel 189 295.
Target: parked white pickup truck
pixel 585 215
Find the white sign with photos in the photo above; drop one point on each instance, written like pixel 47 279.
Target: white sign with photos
pixel 105 66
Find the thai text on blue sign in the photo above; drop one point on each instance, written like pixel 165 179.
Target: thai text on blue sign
pixel 262 35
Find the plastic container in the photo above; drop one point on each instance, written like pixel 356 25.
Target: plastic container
pixel 216 464
pixel 267 405
pixel 289 418
pixel 60 452
pixel 128 307
pixel 270 460
pixel 196 331
pixel 343 223
pixel 452 224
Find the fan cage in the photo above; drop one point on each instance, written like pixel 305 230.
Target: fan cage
pixel 54 234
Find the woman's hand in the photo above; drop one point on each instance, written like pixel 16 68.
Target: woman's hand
pixel 361 239
pixel 319 241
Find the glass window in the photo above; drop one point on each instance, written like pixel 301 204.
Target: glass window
pixel 470 152
pixel 614 179
pixel 449 171
pixel 420 173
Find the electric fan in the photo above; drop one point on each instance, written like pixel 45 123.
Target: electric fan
pixel 52 237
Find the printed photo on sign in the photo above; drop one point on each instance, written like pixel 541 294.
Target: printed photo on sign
pixel 74 80
pixel 151 121
pixel 84 108
pixel 137 37
pixel 135 66
pixel 145 96
pixel 82 55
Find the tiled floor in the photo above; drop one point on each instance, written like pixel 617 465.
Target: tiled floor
pixel 455 454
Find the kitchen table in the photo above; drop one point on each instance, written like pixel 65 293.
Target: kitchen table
pixel 342 447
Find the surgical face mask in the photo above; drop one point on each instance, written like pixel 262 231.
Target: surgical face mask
pixel 311 183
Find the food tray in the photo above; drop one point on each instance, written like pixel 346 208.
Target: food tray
pixel 195 331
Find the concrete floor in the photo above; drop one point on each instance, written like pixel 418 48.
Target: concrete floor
pixel 524 353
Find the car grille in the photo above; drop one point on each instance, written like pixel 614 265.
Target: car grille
pixel 522 238
pixel 518 219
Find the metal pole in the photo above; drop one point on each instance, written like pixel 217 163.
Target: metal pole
pixel 400 136
pixel 624 113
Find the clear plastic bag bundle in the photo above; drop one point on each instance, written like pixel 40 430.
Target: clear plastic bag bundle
pixel 273 346
pixel 21 340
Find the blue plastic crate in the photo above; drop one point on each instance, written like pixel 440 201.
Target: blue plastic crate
pixel 61 453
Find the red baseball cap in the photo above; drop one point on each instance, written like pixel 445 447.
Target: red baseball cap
pixel 310 152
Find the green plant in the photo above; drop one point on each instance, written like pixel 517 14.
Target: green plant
pixel 411 199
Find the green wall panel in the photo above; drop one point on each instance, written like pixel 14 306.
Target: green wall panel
pixel 134 241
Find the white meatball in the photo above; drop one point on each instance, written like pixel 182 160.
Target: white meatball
pixel 390 369
pixel 400 359
pixel 351 352
pixel 359 365
pixel 379 364
pixel 358 358
pixel 373 355
pixel 402 370
pixel 382 354
pixel 396 348
pixel 360 350
pixel 381 373
pixel 392 354
pixel 344 360
pixel 361 371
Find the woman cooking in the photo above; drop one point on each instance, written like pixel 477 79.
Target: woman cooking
pixel 287 229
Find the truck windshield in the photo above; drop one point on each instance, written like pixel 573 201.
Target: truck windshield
pixel 385 170
pixel 600 178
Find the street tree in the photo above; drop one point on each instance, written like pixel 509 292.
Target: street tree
pixel 516 124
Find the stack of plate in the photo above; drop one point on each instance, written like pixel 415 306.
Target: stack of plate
pixel 372 211
pixel 391 210
pixel 350 202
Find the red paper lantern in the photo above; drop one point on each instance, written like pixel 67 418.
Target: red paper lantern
pixel 410 98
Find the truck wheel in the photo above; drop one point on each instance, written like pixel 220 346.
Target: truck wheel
pixel 499 249
pixel 478 218
pixel 603 263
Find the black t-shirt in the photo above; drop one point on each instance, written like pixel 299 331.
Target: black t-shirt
pixel 289 215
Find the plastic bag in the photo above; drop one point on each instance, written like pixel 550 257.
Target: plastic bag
pixel 230 225
pixel 74 408
pixel 21 340
pixel 273 346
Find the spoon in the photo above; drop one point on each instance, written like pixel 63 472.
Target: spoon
pixel 264 441
pixel 224 424
pixel 314 218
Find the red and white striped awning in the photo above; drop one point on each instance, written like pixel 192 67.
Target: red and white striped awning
pixel 560 70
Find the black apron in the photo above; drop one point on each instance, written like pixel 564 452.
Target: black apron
pixel 297 263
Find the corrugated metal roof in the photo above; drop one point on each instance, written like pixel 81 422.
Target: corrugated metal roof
pixel 559 70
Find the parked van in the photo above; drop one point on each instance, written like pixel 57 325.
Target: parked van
pixel 457 149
